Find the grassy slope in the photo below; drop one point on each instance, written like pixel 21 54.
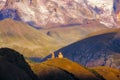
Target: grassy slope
pixel 70 67
pixel 108 73
pixel 46 72
pixel 70 34
pixel 56 67
pixel 24 38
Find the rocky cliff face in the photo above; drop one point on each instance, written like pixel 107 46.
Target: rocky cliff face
pixel 51 13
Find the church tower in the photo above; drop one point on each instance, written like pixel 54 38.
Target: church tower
pixel 60 55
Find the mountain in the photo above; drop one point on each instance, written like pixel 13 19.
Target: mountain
pixel 52 13
pixel 98 49
pixel 13 66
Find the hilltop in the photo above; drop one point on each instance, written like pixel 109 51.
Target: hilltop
pixel 65 69
pixel 62 69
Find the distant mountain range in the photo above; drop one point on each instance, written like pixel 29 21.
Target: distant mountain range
pixel 52 13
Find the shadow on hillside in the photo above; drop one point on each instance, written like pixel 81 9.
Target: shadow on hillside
pixel 14 67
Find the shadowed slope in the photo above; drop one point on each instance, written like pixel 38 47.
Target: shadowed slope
pixel 12 60
pixel 9 71
pixel 99 50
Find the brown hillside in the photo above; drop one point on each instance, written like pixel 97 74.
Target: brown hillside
pixel 108 73
pixel 64 66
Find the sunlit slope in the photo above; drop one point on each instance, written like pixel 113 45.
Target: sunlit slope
pixel 72 33
pixel 24 38
pixel 62 69
pixel 108 73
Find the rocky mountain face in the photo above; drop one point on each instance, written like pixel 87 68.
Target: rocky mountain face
pixel 100 50
pixel 52 13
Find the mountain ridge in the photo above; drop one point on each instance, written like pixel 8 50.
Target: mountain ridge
pixel 57 13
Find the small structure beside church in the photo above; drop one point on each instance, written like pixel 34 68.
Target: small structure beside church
pixel 53 55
